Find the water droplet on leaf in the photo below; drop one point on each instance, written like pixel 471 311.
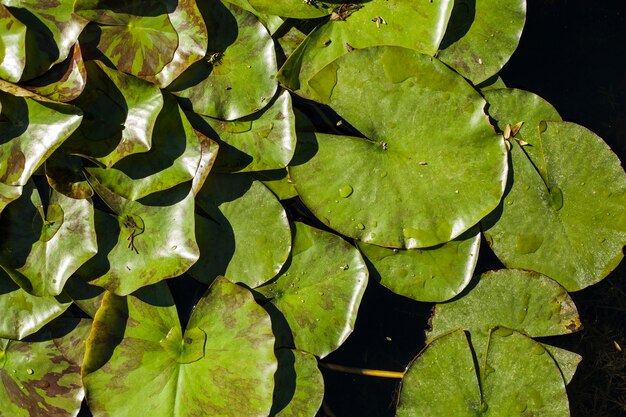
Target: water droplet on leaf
pixel 345 191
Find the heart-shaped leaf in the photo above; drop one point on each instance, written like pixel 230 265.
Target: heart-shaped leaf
pixel 481 36
pixel 44 246
pixel 429 274
pixel 242 231
pixel 260 142
pixel 12 46
pixel 142 242
pixel 173 158
pixel 237 77
pixel 30 131
pixel 417 25
pixel 299 389
pixel 317 300
pixel 562 216
pixel 224 363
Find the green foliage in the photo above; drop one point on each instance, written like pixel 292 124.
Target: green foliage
pixel 281 153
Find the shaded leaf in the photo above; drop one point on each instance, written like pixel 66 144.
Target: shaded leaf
pixel 242 231
pixel 128 355
pixel 481 36
pixel 566 361
pixel 8 193
pixel 65 175
pixel 237 77
pixel 278 182
pixel 318 300
pixel 299 385
pixel 429 274
pixel 86 296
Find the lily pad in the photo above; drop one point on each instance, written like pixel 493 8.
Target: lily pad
pixel 426 175
pixel 173 158
pixel 516 376
pixel 521 300
pixel 30 131
pixel 481 36
pixel 65 175
pixel 563 216
pixel 120 114
pixel 566 361
pixel 44 245
pixel 12 46
pixel 237 77
pixel 142 242
pixel 63 82
pixel 86 296
pixel 242 231
pixel 278 182
pixel 260 142
pixel 9 193
pixel 418 25
pixel 299 388
pixel 138 38
pixel 317 302
pixel 38 380
pixel 293 8
pixel 209 154
pixel 23 313
pixel 225 364
pixel 430 274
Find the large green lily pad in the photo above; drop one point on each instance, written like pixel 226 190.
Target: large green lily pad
pixel 278 181
pixel 481 36
pixel 120 114
pixel 563 216
pixel 433 274
pixel 521 300
pixel 38 380
pixel 260 142
pixel 43 246
pixel 30 131
pixel 418 25
pixel 237 77
pixel 173 158
pixel 432 170
pixel 516 376
pixel 314 302
pixel 299 388
pixel 242 231
pixel 24 314
pixel 293 8
pixel 222 364
pixel 141 242
pixel 12 46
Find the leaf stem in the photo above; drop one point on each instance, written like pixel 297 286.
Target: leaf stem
pixel 363 371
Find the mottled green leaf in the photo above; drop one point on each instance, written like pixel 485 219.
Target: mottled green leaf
pixel 432 274
pixel 481 36
pixel 418 25
pixel 37 379
pixel 138 39
pixel 142 242
pixel 299 385
pixel 30 131
pixel 242 231
pixel 192 42
pixel 65 175
pixel 120 114
pixel 69 335
pixel 422 177
pixel 260 142
pixel 12 46
pixel 86 296
pixel 173 158
pixel 22 313
pixel 517 377
pixel 565 212
pixel 237 77
pixel 318 300
pixel 521 300
pixel 8 193
pixel 278 182
pixel 43 246
pixel 270 21
pixel 128 356
pixel 209 154
pixel 63 82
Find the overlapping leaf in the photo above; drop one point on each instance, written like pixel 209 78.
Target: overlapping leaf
pixel 223 363
pixel 565 212
pixel 292 8
pixel 242 231
pixel 411 24
pixel 12 46
pixel 317 302
pixel 299 389
pixel 432 170
pixel 238 75
pixel 429 274
pixel 43 246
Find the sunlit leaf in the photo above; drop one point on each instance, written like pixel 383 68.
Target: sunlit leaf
pixel 299 389
pixel 12 46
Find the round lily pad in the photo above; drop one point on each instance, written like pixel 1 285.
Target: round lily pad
pixel 299 389
pixel 222 364
pixel 432 170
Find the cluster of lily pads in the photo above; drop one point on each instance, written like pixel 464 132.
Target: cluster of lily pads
pixel 145 141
